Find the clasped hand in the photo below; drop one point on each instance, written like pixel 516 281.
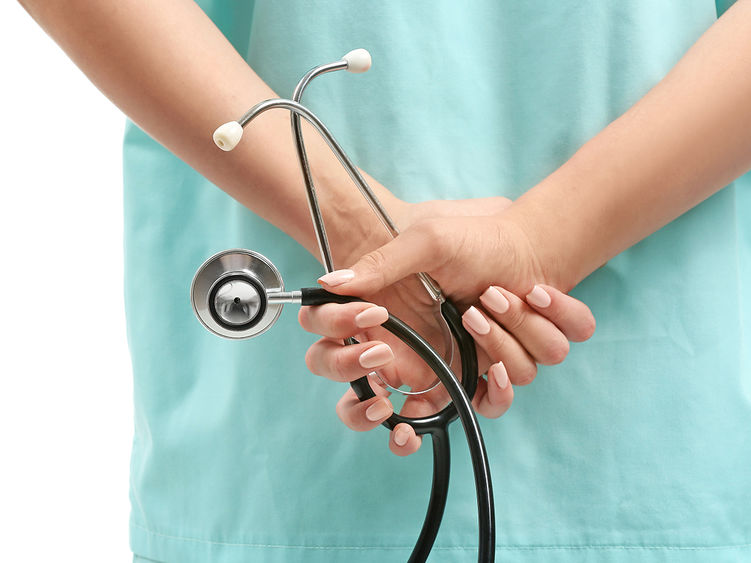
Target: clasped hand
pixel 483 262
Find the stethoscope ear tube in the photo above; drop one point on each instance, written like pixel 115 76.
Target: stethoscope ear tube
pixel 234 307
pixel 437 424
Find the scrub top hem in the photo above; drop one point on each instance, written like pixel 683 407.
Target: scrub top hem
pixel 158 546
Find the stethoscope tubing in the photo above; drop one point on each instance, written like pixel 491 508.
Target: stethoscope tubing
pixel 437 425
pixel 460 393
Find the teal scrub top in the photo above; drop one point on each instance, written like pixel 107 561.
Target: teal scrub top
pixel 635 449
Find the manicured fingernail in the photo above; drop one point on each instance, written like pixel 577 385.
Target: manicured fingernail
pixel 476 321
pixel 401 436
pixel 377 411
pixel 499 375
pixel 538 297
pixel 371 317
pixel 337 277
pixel 376 356
pixel 494 300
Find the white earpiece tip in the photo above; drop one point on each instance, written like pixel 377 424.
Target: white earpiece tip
pixel 228 135
pixel 358 60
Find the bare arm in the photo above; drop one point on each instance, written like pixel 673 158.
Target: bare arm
pixel 167 67
pixel 681 143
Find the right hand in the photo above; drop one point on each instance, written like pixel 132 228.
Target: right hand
pixel 513 353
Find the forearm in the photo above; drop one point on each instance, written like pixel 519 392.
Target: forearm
pixel 172 71
pixel 681 143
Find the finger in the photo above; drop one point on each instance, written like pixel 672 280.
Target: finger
pixel 341 320
pixel 363 415
pixel 539 336
pixel 494 396
pixel 403 441
pixel 332 359
pixel 500 346
pixel 417 249
pixel 570 315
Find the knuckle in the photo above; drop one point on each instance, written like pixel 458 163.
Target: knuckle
pixel 339 366
pixel 302 318
pixel 525 374
pixel 374 264
pixel 514 318
pixel 496 347
pixel 555 352
pixel 310 362
pixel 587 329
pixel 345 414
pixel 374 260
pixel 341 321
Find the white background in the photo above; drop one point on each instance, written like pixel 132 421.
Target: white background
pixel 66 392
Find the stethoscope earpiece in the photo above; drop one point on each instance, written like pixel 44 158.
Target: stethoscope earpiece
pixel 239 294
pixel 230 294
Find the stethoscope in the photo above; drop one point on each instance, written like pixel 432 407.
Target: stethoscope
pixel 239 294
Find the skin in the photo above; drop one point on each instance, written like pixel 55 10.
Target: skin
pixel 682 142
pixel 145 56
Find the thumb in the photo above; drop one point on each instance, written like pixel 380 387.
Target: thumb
pixel 414 250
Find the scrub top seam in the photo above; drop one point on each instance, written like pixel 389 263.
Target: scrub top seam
pixel 450 548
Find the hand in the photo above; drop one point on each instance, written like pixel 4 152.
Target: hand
pixel 558 318
pixel 328 356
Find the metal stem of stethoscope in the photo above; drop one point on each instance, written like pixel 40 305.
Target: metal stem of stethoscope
pixel 315 209
pixel 298 110
pixel 239 294
pixel 319 226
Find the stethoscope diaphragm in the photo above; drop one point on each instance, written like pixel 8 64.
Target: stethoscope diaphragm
pixel 230 292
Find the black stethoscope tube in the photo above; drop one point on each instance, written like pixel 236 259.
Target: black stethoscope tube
pixel 437 425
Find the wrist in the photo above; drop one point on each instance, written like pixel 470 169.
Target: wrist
pixel 537 231
pixel 353 228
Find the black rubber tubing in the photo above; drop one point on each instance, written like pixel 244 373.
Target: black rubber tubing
pixel 437 424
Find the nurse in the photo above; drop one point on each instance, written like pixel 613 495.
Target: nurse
pixel 628 452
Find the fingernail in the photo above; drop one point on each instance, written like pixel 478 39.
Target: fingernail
pixel 376 356
pixel 371 317
pixel 377 411
pixel 337 277
pixel 499 375
pixel 476 321
pixel 401 436
pixel 495 300
pixel 538 297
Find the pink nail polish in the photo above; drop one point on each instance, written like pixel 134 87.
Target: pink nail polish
pixel 401 436
pixel 376 356
pixel 371 317
pixel 377 411
pixel 498 374
pixel 494 300
pixel 476 321
pixel 538 297
pixel 337 277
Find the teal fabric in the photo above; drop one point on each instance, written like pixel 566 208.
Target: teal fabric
pixel 635 449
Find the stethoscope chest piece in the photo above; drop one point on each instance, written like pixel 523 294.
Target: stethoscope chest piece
pixel 230 293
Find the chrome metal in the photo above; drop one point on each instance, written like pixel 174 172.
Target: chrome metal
pixel 297 110
pixel 293 297
pixel 238 274
pixel 315 210
pixel 336 148
pixel 319 226
pixel 390 387
pixel 237 302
